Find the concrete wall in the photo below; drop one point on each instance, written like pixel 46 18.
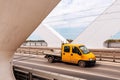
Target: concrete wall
pixel 18 19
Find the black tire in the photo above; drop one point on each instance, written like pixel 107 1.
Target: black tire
pixel 81 64
pixel 50 59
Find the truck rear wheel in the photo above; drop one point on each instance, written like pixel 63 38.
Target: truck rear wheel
pixel 82 63
pixel 50 59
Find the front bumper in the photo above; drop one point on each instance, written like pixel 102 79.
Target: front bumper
pixel 93 62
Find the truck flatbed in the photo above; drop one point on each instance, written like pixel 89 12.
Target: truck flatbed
pixel 53 54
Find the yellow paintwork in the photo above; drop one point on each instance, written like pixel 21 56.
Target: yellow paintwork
pixel 74 57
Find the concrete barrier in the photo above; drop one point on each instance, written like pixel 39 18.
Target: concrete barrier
pixel 46 74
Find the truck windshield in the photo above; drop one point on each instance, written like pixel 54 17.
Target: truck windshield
pixel 84 49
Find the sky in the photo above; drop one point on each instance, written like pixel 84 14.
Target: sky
pixel 72 17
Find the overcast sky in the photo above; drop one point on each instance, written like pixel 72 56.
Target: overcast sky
pixel 71 17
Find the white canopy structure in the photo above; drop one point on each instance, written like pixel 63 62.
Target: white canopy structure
pixel 53 38
pixel 107 24
pixel 18 19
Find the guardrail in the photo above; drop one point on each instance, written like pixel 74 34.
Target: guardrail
pixel 35 50
pixel 107 54
pixel 24 73
pixel 101 54
pixel 27 73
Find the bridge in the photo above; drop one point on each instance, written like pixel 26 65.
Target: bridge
pixel 20 18
pixel 33 61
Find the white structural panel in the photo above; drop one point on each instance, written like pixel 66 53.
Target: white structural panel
pixel 102 28
pixel 18 19
pixel 53 38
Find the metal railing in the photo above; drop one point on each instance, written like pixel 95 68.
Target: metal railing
pixel 107 54
pixel 26 73
pixel 101 54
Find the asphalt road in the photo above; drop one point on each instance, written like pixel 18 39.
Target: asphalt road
pixel 102 70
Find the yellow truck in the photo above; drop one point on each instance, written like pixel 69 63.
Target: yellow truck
pixel 73 53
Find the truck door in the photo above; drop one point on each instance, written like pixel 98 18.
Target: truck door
pixel 75 55
pixel 66 54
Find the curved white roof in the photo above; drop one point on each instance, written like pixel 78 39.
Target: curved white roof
pixel 102 28
pixel 53 38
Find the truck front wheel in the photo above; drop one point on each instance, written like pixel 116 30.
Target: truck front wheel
pixel 82 63
pixel 50 59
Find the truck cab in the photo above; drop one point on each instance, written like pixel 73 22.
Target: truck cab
pixel 77 54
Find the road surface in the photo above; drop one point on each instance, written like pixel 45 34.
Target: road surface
pixel 102 71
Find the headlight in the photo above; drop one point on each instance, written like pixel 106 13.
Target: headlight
pixel 90 59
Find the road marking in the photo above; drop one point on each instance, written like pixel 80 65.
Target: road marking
pixel 24 59
pixel 30 55
pixel 96 74
pixel 108 69
pixel 109 63
pixel 29 58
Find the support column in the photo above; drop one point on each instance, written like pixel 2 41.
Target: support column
pixel 6 71
pixel 18 19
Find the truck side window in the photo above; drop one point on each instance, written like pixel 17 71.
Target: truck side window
pixel 75 50
pixel 66 49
